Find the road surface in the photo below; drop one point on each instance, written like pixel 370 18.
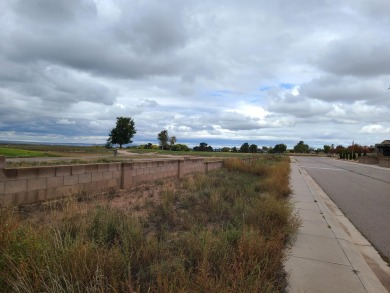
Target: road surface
pixel 362 192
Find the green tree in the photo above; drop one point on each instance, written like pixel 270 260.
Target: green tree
pixel 244 148
pixel 123 132
pixel 203 147
pixel 180 147
pixel 253 148
pixel 163 138
pixel 301 147
pixel 279 148
pixel 265 149
pixel 172 141
pixel 326 149
pixel 148 146
pixel 225 149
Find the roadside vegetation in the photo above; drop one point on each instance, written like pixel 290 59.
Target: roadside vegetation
pixel 224 231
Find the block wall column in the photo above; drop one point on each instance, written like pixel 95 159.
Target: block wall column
pixel 122 184
pixel 180 168
pixel 2 183
pixel 2 162
pixel 183 167
pixel 127 175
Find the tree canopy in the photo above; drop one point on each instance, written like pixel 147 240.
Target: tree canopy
pixel 180 147
pixel 123 131
pixel 279 148
pixel 172 141
pixel 301 147
pixel 163 138
pixel 253 148
pixel 244 148
pixel 203 147
pixel 326 149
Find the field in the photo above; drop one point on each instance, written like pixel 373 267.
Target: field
pixel 77 151
pixel 34 155
pixel 224 231
pixel 20 153
pixel 27 150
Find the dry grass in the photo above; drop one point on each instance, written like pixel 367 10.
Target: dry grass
pixel 224 231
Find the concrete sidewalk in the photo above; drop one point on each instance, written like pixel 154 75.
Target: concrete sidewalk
pixel 329 254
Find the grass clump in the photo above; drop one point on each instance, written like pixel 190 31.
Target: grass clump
pixel 224 231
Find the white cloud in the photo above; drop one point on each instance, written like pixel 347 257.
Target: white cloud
pixel 270 71
pixel 375 129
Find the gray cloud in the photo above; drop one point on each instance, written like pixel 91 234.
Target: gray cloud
pixel 331 88
pixel 363 54
pixel 223 70
pixel 299 106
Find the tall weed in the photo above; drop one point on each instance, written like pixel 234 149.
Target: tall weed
pixel 224 231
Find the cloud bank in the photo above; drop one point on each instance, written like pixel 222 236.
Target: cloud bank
pixel 224 72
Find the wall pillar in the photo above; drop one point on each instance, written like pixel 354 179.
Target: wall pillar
pixel 122 184
pixel 180 168
pixel 127 175
pixel 2 162
pixel 183 166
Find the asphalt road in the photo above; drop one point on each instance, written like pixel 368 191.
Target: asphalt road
pixel 362 192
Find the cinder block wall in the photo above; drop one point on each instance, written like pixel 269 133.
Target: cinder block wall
pixel 384 162
pixel 191 165
pixel 141 171
pixel 35 184
pixel 368 160
pixel 213 165
pixel 29 185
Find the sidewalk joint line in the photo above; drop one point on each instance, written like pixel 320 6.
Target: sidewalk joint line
pixel 311 191
pixel 323 261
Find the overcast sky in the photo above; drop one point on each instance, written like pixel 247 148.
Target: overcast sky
pixel 220 72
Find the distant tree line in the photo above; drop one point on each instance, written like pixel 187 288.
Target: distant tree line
pixel 124 131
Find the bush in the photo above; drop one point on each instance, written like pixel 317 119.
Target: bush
pixel 180 147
